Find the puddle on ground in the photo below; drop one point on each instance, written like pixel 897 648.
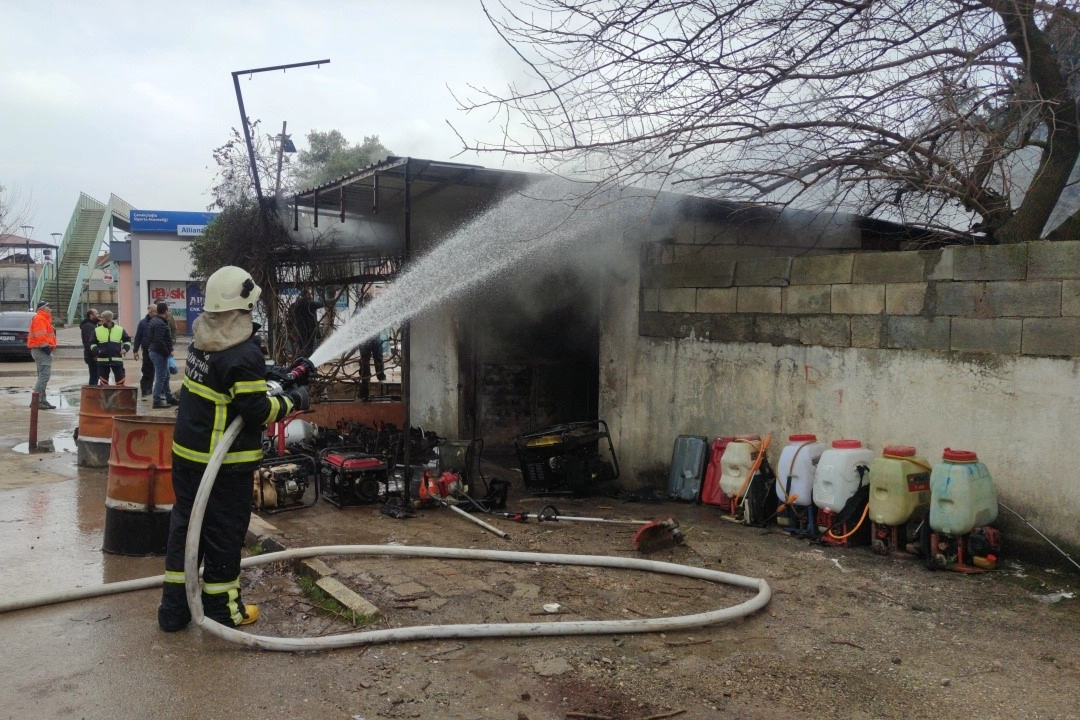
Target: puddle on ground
pixel 57 443
pixel 65 397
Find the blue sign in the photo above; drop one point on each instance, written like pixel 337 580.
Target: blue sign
pixel 173 222
pixel 195 300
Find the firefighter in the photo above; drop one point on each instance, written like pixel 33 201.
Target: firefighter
pixel 111 342
pixel 225 378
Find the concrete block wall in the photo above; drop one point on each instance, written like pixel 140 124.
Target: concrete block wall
pixel 964 347
pixel 998 299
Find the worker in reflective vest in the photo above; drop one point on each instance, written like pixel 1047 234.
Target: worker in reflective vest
pixel 42 342
pixel 224 379
pixel 111 343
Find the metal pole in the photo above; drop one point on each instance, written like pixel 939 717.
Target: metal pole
pixel 247 136
pixel 243 114
pixel 29 295
pixel 34 400
pixel 405 340
pixel 56 267
pixel 280 158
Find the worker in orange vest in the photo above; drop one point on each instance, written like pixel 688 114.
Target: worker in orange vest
pixel 42 341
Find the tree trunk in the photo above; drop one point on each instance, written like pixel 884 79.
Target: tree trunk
pixel 1062 126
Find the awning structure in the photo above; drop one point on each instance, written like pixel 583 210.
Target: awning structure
pixel 394 207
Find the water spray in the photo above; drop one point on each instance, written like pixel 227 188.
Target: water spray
pixel 538 223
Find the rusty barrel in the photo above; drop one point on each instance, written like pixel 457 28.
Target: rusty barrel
pixel 139 496
pixel 98 404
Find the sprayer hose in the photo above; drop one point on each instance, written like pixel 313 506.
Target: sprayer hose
pixel 855 529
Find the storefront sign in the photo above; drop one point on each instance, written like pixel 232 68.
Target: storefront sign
pixel 173 222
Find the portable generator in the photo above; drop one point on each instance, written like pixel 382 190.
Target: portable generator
pixel 280 484
pixel 567 459
pixel 350 477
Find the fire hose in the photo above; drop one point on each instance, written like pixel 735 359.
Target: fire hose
pixel 419 632
pixel 429 632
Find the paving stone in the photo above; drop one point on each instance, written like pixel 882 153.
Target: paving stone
pixel 409 589
pixel 347 597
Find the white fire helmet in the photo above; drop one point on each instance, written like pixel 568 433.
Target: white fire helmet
pixel 231 288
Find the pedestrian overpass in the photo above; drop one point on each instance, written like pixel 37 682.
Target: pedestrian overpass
pixel 91 226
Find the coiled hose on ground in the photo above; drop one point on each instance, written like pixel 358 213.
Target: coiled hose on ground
pixel 418 632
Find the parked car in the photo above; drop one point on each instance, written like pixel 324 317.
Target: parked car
pixel 14 327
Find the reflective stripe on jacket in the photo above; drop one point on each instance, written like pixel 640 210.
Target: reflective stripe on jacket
pixel 110 343
pixel 218 387
pixel 42 333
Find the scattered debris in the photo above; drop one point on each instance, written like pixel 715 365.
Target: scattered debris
pixel 1055 597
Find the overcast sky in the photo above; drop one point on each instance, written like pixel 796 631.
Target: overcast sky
pixel 131 97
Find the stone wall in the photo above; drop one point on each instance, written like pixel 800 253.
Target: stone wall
pixel 1005 299
pixel 965 347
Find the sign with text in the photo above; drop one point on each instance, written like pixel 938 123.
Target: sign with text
pixel 173 222
pixel 174 294
pixel 195 300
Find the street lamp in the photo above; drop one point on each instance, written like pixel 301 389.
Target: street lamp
pixel 285 145
pixel 27 229
pixel 56 267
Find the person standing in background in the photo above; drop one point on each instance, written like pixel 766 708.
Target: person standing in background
pixel 142 344
pixel 86 328
pixel 306 320
pixel 111 343
pixel 161 349
pixel 42 342
pixel 170 321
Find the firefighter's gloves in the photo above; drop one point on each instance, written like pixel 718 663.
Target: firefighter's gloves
pixel 300 397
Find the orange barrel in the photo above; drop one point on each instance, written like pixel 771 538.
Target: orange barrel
pixel 98 404
pixel 139 496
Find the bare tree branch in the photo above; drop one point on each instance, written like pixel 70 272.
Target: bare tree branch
pixel 940 113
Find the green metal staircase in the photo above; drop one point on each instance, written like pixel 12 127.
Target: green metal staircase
pixel 91 222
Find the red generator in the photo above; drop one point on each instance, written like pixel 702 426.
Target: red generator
pixel 351 477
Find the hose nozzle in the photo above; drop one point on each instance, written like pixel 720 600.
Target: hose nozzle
pixel 280 381
pixel 301 372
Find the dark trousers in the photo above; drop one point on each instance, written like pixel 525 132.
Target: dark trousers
pixel 116 367
pixel 372 350
pixel 92 364
pixel 223 532
pixel 162 392
pixel 146 380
